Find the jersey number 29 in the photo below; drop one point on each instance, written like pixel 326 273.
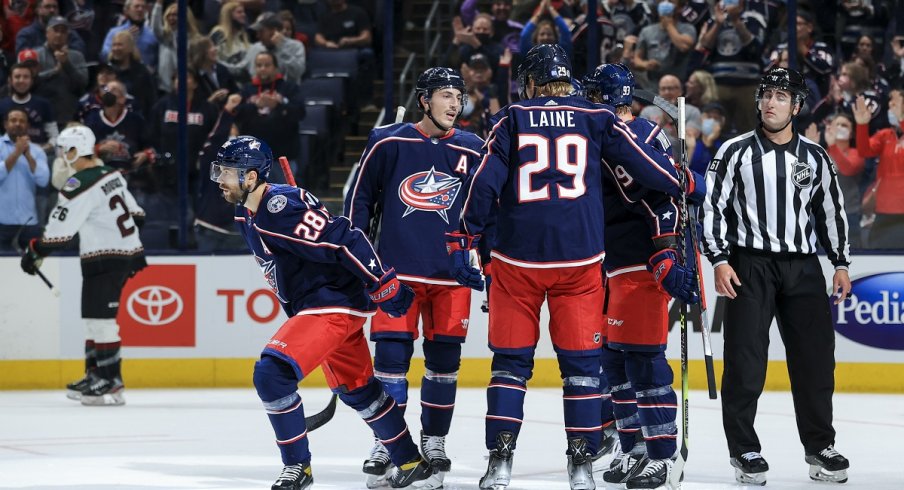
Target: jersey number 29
pixel 570 156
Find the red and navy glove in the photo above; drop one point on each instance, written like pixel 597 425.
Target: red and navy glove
pixel 677 280
pixel 464 261
pixel 31 259
pixel 696 186
pixel 390 295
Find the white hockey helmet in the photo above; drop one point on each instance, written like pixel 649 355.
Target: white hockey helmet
pixel 79 137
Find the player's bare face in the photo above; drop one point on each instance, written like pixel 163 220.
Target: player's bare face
pixel 776 106
pixel 445 105
pixel 228 178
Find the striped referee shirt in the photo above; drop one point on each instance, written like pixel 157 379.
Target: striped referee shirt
pixel 774 198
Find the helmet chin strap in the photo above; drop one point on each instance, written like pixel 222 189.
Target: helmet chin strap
pixel 444 129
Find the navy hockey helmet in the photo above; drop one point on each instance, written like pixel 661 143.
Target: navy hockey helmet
pixel 784 79
pixel 612 83
pixel 439 78
pixel 544 63
pixel 243 153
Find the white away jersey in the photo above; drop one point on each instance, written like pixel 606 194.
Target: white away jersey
pixel 96 204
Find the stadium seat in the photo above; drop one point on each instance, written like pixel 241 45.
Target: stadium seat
pixel 332 63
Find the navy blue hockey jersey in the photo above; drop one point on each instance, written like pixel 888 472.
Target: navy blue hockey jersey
pixel 634 214
pixel 416 184
pixel 543 165
pixel 313 261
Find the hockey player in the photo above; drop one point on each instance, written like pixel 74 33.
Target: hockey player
pixel 640 236
pixel 543 168
pixel 414 174
pixel 322 270
pixel 96 204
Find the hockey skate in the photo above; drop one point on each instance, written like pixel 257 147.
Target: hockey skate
pixel 294 477
pixel 377 466
pixel 609 444
pixel 750 468
pixel 434 450
pixel 416 473
pixel 828 465
pixel 103 392
pixel 499 468
pixel 74 389
pixel 626 465
pixel 580 465
pixel 653 473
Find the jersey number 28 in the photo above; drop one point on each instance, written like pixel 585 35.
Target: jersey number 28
pixel 570 156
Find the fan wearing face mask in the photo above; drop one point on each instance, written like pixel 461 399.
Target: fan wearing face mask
pixel 839 136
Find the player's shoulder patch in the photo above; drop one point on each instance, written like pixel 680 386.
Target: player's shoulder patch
pixel 277 203
pixel 71 184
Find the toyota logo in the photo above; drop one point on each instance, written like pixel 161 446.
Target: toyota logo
pixel 154 305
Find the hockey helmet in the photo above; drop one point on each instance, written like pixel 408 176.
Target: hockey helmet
pixel 439 78
pixel 613 83
pixel 243 153
pixel 544 63
pixel 79 137
pixel 784 79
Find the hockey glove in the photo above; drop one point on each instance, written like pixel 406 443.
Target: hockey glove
pixel 676 279
pixel 390 295
pixel 464 262
pixel 696 187
pixel 31 259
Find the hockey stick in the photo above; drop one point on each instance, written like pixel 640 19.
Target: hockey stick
pixel 672 111
pixel 680 150
pixel 317 420
pixel 287 170
pixel 53 289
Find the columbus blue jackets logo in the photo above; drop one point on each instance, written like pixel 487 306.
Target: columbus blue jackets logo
pixel 268 268
pixel 429 191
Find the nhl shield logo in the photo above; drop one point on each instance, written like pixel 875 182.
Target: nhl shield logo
pixel 597 337
pixel 429 191
pixel 801 174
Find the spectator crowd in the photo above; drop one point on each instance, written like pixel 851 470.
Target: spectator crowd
pixel 111 65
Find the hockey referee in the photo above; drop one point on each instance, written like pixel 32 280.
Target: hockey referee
pixel 771 194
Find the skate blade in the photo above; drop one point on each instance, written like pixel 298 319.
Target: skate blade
pixel 379 481
pixel 108 399
pixel 495 484
pixel 74 395
pixel 818 473
pixel 750 478
pixel 434 482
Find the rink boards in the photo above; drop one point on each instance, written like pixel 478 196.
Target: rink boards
pixel 190 321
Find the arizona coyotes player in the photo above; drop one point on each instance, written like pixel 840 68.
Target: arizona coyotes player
pixel 96 204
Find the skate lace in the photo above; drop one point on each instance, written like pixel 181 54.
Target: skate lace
pixel 752 455
pixel 652 468
pixel 829 453
pixel 290 473
pixel 435 447
pixel 379 453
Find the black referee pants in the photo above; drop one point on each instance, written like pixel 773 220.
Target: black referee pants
pixel 792 288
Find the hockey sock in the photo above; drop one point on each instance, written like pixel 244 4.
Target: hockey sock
pixel 108 365
pixel 276 383
pixel 90 356
pixel 624 400
pixel 505 394
pixel 392 360
pixel 384 417
pixel 657 404
pixel 582 399
pixel 438 386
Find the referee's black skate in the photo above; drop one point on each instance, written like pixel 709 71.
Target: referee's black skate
pixel 499 468
pixel 750 468
pixel 828 465
pixel 294 477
